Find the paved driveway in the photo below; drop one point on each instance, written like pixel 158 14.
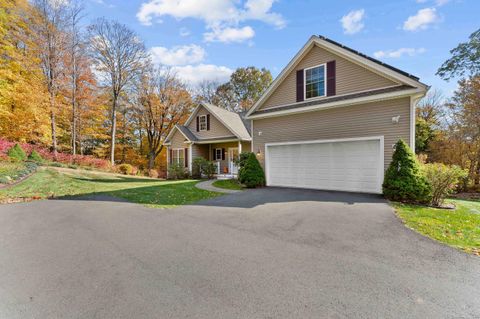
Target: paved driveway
pixel 270 253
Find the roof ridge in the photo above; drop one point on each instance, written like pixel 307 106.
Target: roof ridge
pixel 363 55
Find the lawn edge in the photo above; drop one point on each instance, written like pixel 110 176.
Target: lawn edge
pixel 457 248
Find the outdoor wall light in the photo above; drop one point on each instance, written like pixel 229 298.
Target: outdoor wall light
pixel 258 152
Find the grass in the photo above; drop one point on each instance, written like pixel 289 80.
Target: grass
pixel 459 227
pixel 12 171
pixel 232 184
pixel 62 182
pixel 10 168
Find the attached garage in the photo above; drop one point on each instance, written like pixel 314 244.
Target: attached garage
pixel 354 165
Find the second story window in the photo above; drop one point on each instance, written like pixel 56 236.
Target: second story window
pixel 202 121
pixel 315 84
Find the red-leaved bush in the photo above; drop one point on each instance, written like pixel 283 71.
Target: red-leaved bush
pixel 81 160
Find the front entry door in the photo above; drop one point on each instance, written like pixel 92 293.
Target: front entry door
pixel 232 156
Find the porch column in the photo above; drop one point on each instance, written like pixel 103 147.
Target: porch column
pixel 190 156
pixel 239 147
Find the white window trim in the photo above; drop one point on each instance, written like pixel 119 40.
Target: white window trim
pixel 324 82
pixel 221 154
pixel 178 157
pixel 200 123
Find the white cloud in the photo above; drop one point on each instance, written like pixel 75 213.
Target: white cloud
pixel 184 32
pixel 220 16
pixel 195 74
pixel 441 2
pixel 179 55
pixel 438 3
pixel 228 35
pixel 422 20
pixel 352 22
pixel 398 53
pixel 213 12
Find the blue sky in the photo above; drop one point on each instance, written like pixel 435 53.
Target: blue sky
pixel 207 39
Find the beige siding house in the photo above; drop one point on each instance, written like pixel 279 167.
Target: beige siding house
pixel 329 121
pixel 212 133
pixel 331 118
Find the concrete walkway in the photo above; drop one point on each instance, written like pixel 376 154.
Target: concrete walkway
pixel 208 186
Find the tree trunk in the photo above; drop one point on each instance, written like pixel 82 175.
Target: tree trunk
pixel 140 133
pixel 113 131
pixel 151 159
pixel 53 126
pixel 74 130
pixel 476 181
pixel 74 121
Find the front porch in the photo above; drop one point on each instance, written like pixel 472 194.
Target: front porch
pixel 223 153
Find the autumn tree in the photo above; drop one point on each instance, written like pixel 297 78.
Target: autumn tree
pixel 429 114
pixel 464 60
pixel 244 88
pixel 206 91
pixel 119 55
pixel 51 39
pixel 22 95
pixel 163 102
pixel 77 65
pixel 465 122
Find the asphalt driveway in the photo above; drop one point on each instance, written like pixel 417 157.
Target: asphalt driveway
pixel 269 253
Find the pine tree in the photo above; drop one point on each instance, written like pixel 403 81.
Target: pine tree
pixel 404 180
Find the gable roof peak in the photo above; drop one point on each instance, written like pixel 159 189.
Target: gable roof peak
pixel 383 69
pixel 363 55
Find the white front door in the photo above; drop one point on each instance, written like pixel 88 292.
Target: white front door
pixel 232 156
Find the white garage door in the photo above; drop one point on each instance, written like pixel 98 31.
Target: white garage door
pixel 345 165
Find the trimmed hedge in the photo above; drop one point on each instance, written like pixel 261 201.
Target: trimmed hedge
pixel 404 179
pixel 35 157
pixel 16 153
pixel 250 173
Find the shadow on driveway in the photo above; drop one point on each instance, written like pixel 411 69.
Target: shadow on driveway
pixel 247 199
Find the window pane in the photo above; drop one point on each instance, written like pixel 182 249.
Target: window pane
pixel 314 82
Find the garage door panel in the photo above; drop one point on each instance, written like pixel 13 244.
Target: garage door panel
pixel 343 165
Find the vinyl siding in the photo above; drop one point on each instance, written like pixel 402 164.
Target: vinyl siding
pixel 217 129
pixel 350 78
pixel 246 147
pixel 178 140
pixel 372 119
pixel 200 150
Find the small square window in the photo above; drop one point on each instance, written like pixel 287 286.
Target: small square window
pixel 202 121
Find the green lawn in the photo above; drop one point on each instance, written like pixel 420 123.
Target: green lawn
pixel 458 227
pixel 232 184
pixel 9 171
pixel 61 182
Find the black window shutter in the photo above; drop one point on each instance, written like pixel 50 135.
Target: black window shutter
pixel 214 154
pixel 208 122
pixel 186 157
pixel 223 154
pixel 331 78
pixel 300 85
pixel 171 156
pixel 198 124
